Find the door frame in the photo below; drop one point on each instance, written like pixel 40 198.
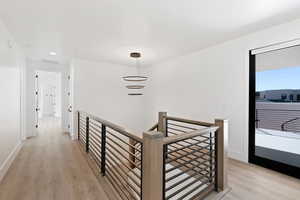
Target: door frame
pixel 254 159
pixel 36 99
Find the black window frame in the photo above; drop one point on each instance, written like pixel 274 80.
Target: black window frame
pixel 252 158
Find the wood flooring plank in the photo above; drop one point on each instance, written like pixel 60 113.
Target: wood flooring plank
pixel 50 167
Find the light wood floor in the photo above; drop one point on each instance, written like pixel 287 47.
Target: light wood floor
pixel 51 167
pixel 251 182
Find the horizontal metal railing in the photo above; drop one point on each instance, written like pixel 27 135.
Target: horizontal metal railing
pixel 124 164
pixel 189 158
pixel 291 125
pixel 176 159
pixel 90 136
pixel 278 119
pixel 116 152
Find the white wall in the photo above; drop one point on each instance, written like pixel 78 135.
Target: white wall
pixel 11 66
pixel 212 83
pixel 32 67
pixel 99 90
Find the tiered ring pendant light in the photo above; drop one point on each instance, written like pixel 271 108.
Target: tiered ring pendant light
pixel 135 82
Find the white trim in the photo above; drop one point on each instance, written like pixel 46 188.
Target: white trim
pixel 9 160
pixel 237 156
pixel 23 101
pixel 73 136
pixel 277 46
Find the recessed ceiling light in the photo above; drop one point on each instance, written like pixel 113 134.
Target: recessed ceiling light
pixel 52 53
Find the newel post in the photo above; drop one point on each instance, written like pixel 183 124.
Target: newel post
pixel 162 123
pixel 221 145
pixel 153 165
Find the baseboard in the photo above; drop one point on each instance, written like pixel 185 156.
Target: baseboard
pixel 9 160
pixel 73 136
pixel 237 156
pixel 218 195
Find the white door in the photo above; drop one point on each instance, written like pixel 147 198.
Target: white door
pixel 49 101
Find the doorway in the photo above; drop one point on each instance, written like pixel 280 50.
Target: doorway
pixel 274 109
pixel 48 97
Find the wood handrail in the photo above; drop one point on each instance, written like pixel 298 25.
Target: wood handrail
pixel 149 154
pixel 199 132
pixel 206 124
pixel 115 127
pixel 153 127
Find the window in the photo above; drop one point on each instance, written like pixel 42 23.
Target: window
pixel 274 121
pixel 283 96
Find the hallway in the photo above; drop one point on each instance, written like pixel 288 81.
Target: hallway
pixel 40 171
pixel 52 167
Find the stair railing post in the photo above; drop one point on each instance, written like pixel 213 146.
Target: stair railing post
pixel 103 147
pixel 162 126
pixel 221 145
pixel 153 163
pixel 162 123
pixel 87 134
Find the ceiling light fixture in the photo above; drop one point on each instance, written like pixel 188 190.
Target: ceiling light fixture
pixel 135 85
pixel 52 53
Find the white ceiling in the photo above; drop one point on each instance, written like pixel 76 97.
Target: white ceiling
pixel 107 30
pixel 282 58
